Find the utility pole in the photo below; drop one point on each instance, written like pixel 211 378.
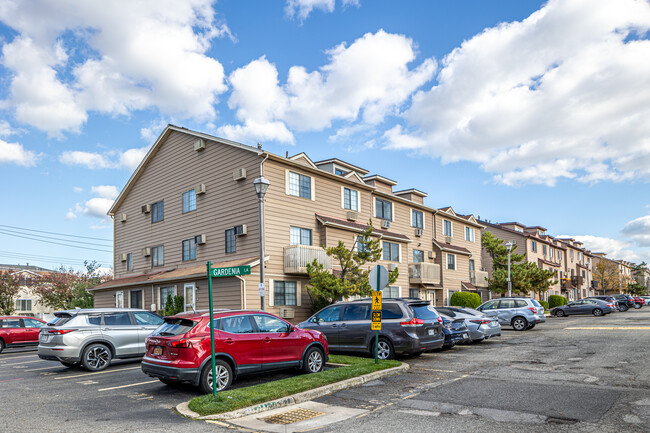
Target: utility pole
pixel 509 245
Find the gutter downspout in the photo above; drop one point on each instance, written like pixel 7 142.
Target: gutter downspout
pixel 243 304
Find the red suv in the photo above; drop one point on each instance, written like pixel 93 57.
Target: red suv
pixel 18 331
pixel 245 342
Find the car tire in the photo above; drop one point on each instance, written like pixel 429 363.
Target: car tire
pixel 519 323
pixel 224 373
pixel 637 306
pixel 623 308
pixel 560 313
pixel 2 345
pixel 597 312
pixel 385 349
pixel 313 361
pixel 96 357
pixel 531 326
pixel 69 364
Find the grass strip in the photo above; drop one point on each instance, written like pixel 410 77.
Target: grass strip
pixel 248 396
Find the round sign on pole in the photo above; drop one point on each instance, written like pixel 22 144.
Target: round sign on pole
pixel 378 278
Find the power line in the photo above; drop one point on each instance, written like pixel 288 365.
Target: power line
pixel 54 233
pixel 39 256
pixel 55 260
pixel 56 243
pixel 50 237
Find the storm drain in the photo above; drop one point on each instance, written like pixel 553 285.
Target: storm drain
pixel 292 416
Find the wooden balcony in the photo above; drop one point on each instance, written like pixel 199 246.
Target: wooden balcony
pixel 296 258
pixel 424 273
pixel 478 278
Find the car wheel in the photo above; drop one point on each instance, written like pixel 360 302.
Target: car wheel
pixel 70 364
pixel 96 357
pixel 224 376
pixel 384 349
pixel 520 324
pixel 560 313
pixel 637 306
pixel 314 361
pixel 2 345
pixel 597 312
pixel 623 308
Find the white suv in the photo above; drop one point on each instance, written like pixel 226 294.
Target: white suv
pixel 520 313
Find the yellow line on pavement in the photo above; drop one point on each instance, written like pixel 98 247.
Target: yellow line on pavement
pixel 22 363
pixel 126 386
pixel 5 357
pixel 607 328
pixel 92 374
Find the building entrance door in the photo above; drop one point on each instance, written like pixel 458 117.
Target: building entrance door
pixel 190 296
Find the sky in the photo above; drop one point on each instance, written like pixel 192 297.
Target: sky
pixel 528 111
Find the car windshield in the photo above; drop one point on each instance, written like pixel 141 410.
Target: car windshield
pixel 59 319
pixel 424 312
pixel 174 326
pixel 472 311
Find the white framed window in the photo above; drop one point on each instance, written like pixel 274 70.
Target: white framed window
pixel 447 228
pixel 299 185
pixel 391 292
pixel 350 199
pixel 285 293
pixel 157 256
pixel 533 246
pixel 300 236
pixel 129 261
pixel 451 262
pixel 163 294
pixel 544 249
pixel 119 299
pixel 383 209
pixel 157 211
pixel 418 256
pixel 417 219
pixel 189 249
pixel 23 305
pixel 559 254
pixel 390 251
pixel 189 201
pixel 469 234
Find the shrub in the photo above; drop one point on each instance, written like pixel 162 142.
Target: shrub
pixel 465 299
pixel 545 305
pixel 556 301
pixel 173 306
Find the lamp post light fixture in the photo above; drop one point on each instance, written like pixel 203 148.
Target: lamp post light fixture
pixel 509 246
pixel 261 184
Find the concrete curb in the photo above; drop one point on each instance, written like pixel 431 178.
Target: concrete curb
pixel 183 408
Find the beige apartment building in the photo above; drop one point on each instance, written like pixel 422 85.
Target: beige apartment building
pixel 577 280
pixel 192 200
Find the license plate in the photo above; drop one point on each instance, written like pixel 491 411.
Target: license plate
pixel 43 338
pixel 157 350
pixel 464 335
pixel 432 332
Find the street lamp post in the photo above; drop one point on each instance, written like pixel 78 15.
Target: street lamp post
pixel 509 245
pixel 261 185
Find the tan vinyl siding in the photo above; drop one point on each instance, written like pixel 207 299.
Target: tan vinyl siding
pixel 104 299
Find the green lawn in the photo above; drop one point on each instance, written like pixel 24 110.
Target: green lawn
pixel 243 397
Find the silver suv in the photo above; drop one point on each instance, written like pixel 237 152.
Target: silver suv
pixel 93 337
pixel 520 313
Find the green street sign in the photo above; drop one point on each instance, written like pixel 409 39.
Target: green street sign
pixel 230 272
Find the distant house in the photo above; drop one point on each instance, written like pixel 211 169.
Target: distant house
pixel 27 303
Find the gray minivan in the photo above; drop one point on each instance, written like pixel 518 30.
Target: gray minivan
pixel 520 313
pixel 409 326
pixel 93 337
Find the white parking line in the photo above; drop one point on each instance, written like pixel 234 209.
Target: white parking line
pixel 92 374
pixel 16 357
pixel 22 363
pixel 44 368
pixel 607 328
pixel 127 386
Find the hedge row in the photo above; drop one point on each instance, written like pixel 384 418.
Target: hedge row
pixel 465 299
pixel 556 301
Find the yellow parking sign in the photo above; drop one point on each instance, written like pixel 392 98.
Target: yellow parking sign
pixel 376 301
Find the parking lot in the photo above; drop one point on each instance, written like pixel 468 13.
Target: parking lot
pixel 578 373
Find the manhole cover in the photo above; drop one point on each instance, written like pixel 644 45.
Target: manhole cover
pixel 292 416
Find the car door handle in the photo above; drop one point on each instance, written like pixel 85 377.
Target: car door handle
pixel 334 325
pixel 342 325
pixel 267 340
pixel 229 341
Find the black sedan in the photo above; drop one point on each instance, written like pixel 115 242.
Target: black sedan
pixel 583 306
pixel 455 331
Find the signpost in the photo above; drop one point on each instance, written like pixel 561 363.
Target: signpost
pixel 219 273
pixel 378 279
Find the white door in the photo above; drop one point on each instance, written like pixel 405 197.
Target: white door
pixel 190 297
pixel 431 297
pixel 119 300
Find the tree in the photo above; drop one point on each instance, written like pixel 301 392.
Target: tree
pixel 67 289
pixel 326 287
pixel 526 277
pixel 636 287
pixel 607 276
pixel 9 287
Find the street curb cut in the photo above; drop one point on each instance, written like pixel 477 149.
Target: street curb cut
pixel 183 408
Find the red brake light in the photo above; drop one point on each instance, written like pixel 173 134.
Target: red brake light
pixel 60 331
pixel 413 322
pixel 533 309
pixel 180 344
pixel 439 319
pixel 481 322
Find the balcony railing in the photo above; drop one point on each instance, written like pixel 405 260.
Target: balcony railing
pixel 296 258
pixel 478 278
pixel 424 273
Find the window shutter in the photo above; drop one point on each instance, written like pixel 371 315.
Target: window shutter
pixel 313 188
pixel 270 294
pixel 358 201
pixel 399 253
pixel 342 197
pixel 286 181
pixel 298 293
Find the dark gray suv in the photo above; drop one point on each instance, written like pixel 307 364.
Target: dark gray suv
pixel 409 326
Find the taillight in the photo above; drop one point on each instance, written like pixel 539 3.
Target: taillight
pixel 533 309
pixel 59 331
pixel 180 344
pixel 481 322
pixel 439 319
pixel 413 322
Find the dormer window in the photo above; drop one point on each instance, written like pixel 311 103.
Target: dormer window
pixel 339 172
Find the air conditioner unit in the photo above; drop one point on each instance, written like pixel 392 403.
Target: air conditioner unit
pixel 385 224
pixel 287 313
pixel 241 230
pixel 199 145
pixel 123 257
pixel 448 239
pixel 200 189
pixel 418 232
pixel 146 251
pixel 392 267
pixel 200 239
pixel 432 255
pixel 239 174
pixel 122 217
pixel 146 208
pixel 352 215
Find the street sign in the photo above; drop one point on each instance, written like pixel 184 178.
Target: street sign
pixel 230 272
pixel 376 301
pixel 261 289
pixel 378 278
pixel 375 324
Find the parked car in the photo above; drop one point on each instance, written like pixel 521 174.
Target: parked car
pixel 583 306
pixel 520 313
pixel 638 302
pixel 646 299
pixel 625 302
pixel 456 331
pixel 19 331
pixel 245 342
pixel 93 337
pixel 609 300
pixel 409 326
pixel 480 325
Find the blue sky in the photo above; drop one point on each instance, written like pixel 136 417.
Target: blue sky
pixel 531 111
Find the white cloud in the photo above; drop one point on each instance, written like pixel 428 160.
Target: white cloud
pixel 302 8
pixel 105 191
pixel 638 230
pixel 14 153
pixel 73 57
pixel 77 189
pixel 362 83
pixel 128 159
pixel 614 248
pixel 5 129
pixel 563 94
pixel 70 215
pixel 131 158
pixel 97 206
